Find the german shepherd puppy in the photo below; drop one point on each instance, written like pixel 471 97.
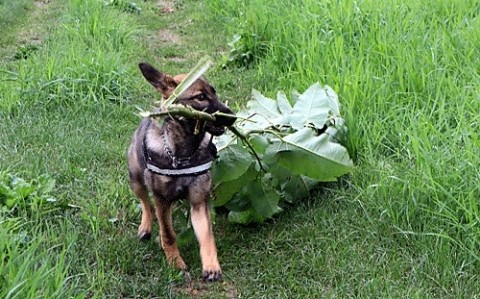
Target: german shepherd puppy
pixel 172 161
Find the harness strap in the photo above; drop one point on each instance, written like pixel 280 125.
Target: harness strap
pixel 195 170
pixel 177 172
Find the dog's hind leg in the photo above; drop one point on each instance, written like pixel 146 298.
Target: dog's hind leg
pixel 145 228
pixel 203 230
pixel 163 210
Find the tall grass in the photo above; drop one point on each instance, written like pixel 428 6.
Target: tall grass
pixel 408 76
pixel 83 62
pixel 34 262
pixel 57 110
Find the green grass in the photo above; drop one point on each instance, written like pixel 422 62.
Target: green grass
pixel 34 261
pixel 407 73
pixel 404 224
pixel 12 15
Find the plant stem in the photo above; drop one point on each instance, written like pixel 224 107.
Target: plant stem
pixel 181 110
pixel 244 139
pixel 200 68
pixel 187 111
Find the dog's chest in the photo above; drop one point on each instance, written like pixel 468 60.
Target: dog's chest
pixel 170 151
pixel 171 188
pixel 170 172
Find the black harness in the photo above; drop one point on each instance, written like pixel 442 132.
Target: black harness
pixel 179 167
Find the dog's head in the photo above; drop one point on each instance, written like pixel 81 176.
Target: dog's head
pixel 200 96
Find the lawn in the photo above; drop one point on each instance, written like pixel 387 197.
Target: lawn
pixel 404 223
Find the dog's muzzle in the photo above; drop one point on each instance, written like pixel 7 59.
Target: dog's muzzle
pixel 217 128
pixel 214 129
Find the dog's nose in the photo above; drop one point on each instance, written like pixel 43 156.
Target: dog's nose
pixel 221 120
pixel 226 121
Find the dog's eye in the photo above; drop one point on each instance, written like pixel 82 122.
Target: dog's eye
pixel 202 97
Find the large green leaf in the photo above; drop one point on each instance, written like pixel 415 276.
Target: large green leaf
pixel 296 187
pixel 295 96
pixel 264 198
pixel 283 104
pixel 263 203
pixel 265 113
pixel 240 201
pixel 259 143
pixel 332 99
pixel 314 107
pixel 312 155
pixel 233 161
pixel 263 106
pixel 224 191
pixel 258 200
pixel 292 186
pixel 245 217
pixel 298 142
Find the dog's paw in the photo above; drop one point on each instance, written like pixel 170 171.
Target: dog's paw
pixel 212 275
pixel 144 235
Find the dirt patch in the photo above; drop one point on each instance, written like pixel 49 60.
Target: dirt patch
pixel 231 291
pixel 40 3
pixel 31 35
pixel 166 6
pixel 167 36
pixel 199 289
pixel 176 59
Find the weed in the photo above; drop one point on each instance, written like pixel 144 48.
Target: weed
pixel 19 196
pixel 125 6
pixel 25 51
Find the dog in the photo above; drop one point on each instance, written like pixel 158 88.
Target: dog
pixel 172 161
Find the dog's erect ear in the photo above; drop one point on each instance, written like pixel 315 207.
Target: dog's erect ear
pixel 162 82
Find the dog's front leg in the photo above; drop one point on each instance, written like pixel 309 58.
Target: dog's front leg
pixel 163 211
pixel 145 228
pixel 203 230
